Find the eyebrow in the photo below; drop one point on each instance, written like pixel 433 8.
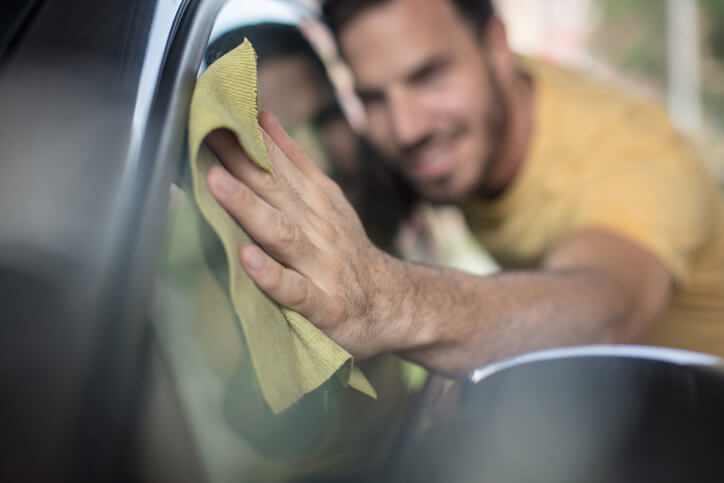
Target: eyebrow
pixel 327 113
pixel 370 94
pixel 431 64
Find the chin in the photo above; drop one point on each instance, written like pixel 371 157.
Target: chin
pixel 445 194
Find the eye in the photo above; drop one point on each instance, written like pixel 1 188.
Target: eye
pixel 428 73
pixel 327 114
pixel 371 98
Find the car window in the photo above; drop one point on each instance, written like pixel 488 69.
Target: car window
pixel 237 434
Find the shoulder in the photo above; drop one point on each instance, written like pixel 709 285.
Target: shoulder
pixel 587 111
pixel 597 129
pixel 619 164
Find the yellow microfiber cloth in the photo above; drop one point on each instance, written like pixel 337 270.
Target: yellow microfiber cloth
pixel 290 356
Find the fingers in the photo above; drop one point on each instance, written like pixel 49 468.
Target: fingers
pixel 270 227
pixel 277 189
pixel 291 149
pixel 285 286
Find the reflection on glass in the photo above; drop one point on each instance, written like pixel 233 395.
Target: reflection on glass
pixel 332 432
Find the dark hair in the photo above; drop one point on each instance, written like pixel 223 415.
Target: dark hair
pixel 271 41
pixel 340 12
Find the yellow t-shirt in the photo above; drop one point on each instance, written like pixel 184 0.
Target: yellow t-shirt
pixel 601 160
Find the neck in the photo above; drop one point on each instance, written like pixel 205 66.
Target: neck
pixel 508 159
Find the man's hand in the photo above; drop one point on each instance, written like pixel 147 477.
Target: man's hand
pixel 317 258
pixel 594 286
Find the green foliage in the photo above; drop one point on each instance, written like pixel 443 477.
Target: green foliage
pixel 632 36
pixel 713 10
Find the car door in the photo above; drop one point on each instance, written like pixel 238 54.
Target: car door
pixel 94 101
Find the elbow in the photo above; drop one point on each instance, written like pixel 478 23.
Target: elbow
pixel 645 311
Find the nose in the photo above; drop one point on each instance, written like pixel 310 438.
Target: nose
pixel 408 121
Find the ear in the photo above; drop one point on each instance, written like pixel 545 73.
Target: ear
pixel 495 43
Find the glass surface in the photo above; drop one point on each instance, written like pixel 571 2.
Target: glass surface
pixel 238 437
pixel 331 432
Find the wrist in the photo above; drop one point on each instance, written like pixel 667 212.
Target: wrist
pixel 398 306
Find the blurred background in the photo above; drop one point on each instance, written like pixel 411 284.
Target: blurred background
pixel 670 50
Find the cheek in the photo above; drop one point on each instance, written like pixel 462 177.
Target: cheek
pixel 464 99
pixel 378 130
pixel 472 106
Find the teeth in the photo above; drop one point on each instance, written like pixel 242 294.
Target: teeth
pixel 430 156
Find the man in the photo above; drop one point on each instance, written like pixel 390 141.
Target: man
pixel 615 231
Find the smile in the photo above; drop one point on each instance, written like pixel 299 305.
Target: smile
pixel 432 162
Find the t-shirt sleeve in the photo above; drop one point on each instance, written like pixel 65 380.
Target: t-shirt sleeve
pixel 659 198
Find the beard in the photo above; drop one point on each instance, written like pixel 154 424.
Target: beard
pixel 493 129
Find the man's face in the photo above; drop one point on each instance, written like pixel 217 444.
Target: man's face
pixel 433 104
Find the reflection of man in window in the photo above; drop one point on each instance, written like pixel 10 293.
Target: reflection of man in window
pixel 330 432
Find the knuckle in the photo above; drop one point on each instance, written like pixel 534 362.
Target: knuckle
pixel 298 293
pixel 287 231
pixel 269 144
pixel 327 229
pixel 321 224
pixel 338 313
pixel 272 279
pixel 269 182
pixel 243 196
pixel 332 186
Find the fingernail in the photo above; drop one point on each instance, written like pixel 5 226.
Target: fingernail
pixel 224 181
pixel 253 259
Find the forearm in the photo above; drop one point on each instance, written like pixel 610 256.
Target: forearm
pixel 453 322
pixel 594 286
